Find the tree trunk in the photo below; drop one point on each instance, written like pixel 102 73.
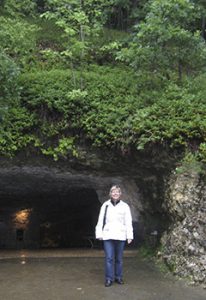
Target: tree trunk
pixel 179 71
pixel 203 27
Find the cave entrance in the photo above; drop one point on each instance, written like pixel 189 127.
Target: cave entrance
pixel 57 220
pixel 70 221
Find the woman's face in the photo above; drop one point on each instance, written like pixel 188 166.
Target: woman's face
pixel 115 194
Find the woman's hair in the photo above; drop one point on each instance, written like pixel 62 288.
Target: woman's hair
pixel 115 187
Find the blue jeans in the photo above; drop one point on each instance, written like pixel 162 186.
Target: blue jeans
pixel 113 259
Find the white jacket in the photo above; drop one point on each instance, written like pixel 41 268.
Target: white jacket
pixel 118 225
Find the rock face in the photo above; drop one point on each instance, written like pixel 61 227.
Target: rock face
pixel 56 204
pixel 184 244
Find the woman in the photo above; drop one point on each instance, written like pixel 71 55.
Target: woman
pixel 114 227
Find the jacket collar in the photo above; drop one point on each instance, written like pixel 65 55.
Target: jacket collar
pixel 114 203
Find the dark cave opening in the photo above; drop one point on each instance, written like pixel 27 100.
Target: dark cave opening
pixel 49 220
pixel 43 207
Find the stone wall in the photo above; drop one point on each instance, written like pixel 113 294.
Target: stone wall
pixel 184 244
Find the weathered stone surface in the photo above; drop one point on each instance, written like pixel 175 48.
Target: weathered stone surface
pixel 184 244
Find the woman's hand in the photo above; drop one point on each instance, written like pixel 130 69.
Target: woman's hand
pixel 129 241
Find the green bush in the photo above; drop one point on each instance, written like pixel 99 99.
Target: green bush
pixel 65 105
pixel 108 112
pixel 22 8
pixel 8 81
pixel 17 39
pixel 16 131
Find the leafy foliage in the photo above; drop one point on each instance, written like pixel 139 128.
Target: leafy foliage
pixel 16 131
pixel 8 77
pixel 107 112
pixel 20 8
pixel 149 90
pixel 163 46
pixel 62 113
pixel 80 21
pixel 8 82
pixel 17 39
pixel 177 118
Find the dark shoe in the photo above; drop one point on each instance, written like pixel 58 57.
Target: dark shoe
pixel 119 281
pixel 108 283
